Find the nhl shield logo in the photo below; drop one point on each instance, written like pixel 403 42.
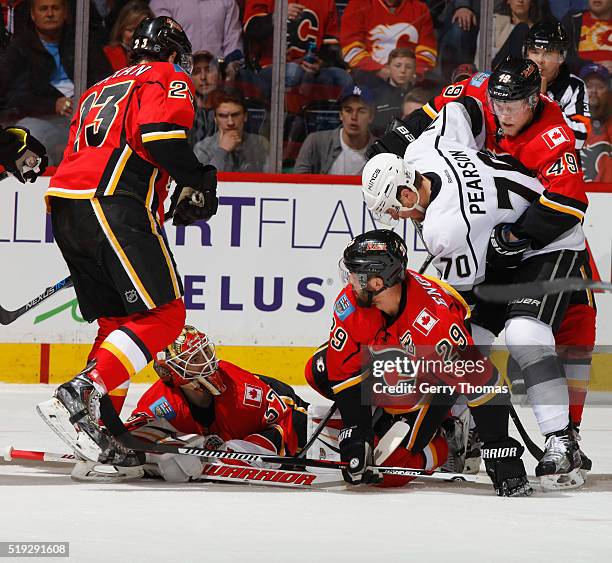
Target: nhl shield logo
pixel 131 296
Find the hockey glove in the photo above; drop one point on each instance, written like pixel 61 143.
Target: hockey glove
pixel 194 204
pixel 356 450
pixel 502 253
pixel 505 467
pixel 26 158
pixel 395 139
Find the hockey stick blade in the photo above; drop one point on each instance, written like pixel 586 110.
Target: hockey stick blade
pixel 506 293
pixel 7 317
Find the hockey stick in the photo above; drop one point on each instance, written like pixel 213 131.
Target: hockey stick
pixel 505 293
pixel 242 474
pixel 211 472
pixel 7 317
pixel 419 229
pixel 318 430
pixel 533 448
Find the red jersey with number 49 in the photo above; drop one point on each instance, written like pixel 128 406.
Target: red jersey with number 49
pixel 116 118
pixel 249 409
pixel 431 320
pixel 546 148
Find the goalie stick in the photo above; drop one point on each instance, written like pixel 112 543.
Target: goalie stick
pixel 7 317
pixel 505 293
pixel 262 476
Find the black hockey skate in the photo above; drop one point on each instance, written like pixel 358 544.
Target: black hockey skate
pixel 74 415
pixel 559 466
pixel 456 433
pixel 473 455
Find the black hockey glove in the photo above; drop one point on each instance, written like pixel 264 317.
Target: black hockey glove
pixel 356 450
pixel 191 204
pixel 395 139
pixel 505 467
pixel 502 253
pixel 24 156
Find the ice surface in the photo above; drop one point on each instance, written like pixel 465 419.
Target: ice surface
pixel 424 522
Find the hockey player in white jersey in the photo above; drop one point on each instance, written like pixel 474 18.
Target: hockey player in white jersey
pixel 466 201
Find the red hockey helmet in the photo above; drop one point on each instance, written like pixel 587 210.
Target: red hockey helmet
pixel 190 360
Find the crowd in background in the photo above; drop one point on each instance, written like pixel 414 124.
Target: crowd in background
pixel 351 66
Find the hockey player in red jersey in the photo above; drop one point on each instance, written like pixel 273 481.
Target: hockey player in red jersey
pixel 127 137
pixel 21 154
pixel 225 406
pixel 527 129
pixel 386 309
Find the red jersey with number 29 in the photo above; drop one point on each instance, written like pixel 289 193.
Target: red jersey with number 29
pixel 431 319
pixel 116 118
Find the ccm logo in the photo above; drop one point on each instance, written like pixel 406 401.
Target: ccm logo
pixel 493 453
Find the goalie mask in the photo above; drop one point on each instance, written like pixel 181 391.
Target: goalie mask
pixel 190 360
pixel 383 178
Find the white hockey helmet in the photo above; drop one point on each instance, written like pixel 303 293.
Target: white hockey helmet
pixel 381 177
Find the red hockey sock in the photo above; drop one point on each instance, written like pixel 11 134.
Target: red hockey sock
pixel 131 346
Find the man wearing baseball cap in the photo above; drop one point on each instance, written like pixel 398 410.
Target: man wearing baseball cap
pixel 597 151
pixel 341 150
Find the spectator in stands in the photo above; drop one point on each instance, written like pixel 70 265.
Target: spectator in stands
pixel 415 99
pixel 341 150
pixel 459 36
pixel 389 95
pixel 231 148
pixel 371 29
pixel 118 49
pixel 546 45
pixel 462 72
pixel 597 151
pixel 310 22
pixel 590 32
pixel 205 76
pixel 210 26
pixel 512 21
pixel 560 8
pixel 40 64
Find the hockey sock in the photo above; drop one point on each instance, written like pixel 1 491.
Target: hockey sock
pixel 129 348
pixel 578 376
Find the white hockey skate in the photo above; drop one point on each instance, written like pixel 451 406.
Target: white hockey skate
pixel 559 468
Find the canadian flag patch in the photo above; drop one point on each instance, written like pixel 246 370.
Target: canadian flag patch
pixel 555 137
pixel 253 396
pixel 425 321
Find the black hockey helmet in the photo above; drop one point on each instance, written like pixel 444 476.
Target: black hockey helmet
pixel 514 79
pixel 379 253
pixel 548 35
pixel 159 37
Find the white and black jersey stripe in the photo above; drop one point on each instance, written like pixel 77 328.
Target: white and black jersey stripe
pixel 570 93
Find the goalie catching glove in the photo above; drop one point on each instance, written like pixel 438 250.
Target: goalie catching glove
pixel 356 450
pixel 502 252
pixel 193 204
pixel 24 156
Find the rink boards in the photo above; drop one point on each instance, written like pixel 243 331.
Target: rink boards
pixel 260 278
